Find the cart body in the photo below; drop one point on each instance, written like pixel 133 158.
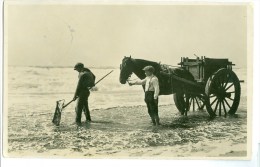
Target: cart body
pixel 215 86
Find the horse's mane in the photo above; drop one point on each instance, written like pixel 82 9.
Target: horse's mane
pixel 146 61
pixel 143 63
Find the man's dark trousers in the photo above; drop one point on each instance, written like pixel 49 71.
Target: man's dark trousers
pixel 82 103
pixel 152 105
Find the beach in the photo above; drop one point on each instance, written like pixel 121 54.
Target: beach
pixel 126 132
pixel 120 126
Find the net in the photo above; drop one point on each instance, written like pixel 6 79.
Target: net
pixel 57 115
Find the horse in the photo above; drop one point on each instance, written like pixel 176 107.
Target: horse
pixel 167 87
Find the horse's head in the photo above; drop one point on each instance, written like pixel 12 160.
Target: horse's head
pixel 126 69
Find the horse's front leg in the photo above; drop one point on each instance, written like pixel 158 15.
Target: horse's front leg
pixel 187 105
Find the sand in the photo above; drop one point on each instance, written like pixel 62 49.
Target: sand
pixel 126 132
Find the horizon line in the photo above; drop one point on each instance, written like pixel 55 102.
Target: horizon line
pixel 60 66
pixel 94 67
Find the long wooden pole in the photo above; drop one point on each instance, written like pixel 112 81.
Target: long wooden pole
pixel 90 87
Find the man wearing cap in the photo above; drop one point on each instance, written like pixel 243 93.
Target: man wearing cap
pixel 86 80
pixel 151 93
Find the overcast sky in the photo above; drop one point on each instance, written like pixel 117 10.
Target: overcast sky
pixel 101 35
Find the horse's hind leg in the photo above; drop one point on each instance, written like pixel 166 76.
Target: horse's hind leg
pixel 187 108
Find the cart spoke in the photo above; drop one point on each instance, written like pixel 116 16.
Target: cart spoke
pixel 185 99
pixel 190 101
pixel 224 86
pixel 224 109
pixel 226 82
pixel 216 107
pixel 230 92
pixel 202 105
pixel 201 98
pixel 227 103
pixel 193 104
pixel 214 101
pixel 189 105
pixel 212 95
pixel 197 102
pixel 186 103
pixel 219 113
pixel 229 86
pixel 230 98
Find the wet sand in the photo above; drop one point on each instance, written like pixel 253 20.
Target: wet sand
pixel 126 132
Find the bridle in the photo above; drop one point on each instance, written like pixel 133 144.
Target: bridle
pixel 126 70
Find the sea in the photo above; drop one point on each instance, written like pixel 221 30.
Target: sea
pixel 36 89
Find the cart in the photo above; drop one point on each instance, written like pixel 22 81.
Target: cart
pixel 215 87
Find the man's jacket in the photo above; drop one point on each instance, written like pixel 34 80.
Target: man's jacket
pixel 86 81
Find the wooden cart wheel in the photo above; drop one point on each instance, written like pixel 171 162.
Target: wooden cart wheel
pixel 178 103
pixel 223 92
pixel 187 103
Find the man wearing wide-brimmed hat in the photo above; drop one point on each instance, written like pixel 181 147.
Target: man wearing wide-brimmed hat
pixel 151 93
pixel 86 81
